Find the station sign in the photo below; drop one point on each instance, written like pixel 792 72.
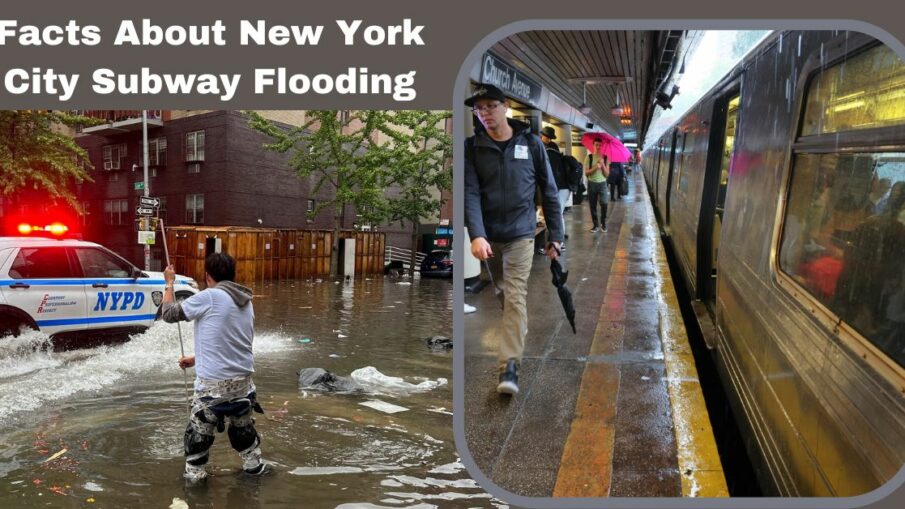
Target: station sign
pixel 144 211
pixel 149 201
pixel 139 186
pixel 510 80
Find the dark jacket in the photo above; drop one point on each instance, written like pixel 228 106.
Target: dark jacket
pixel 499 189
pixel 617 173
pixel 557 165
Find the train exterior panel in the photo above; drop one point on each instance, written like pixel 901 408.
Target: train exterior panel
pixel 820 398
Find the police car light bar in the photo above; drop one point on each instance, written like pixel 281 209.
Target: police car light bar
pixel 53 228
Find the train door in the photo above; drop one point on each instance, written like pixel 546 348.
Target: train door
pixel 671 169
pixel 716 185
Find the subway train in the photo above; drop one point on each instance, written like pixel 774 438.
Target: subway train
pixel 781 194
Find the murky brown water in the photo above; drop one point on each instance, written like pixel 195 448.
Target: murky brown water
pixel 120 411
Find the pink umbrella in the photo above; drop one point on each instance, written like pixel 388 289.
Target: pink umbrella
pixel 610 147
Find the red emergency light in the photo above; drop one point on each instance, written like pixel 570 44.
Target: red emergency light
pixel 55 228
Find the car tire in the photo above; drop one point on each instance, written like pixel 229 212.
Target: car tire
pixel 12 326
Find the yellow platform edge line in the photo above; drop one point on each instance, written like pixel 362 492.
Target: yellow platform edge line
pixel 700 467
pixel 586 464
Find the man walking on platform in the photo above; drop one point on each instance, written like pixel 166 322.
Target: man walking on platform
pixel 547 135
pixel 504 164
pixel 597 171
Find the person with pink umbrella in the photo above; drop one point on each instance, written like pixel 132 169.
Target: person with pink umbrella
pixel 605 149
pixel 597 170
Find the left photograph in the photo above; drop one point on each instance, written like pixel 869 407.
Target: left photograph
pixel 227 309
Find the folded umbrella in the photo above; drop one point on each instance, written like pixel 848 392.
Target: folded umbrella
pixel 565 295
pixel 496 289
pixel 610 147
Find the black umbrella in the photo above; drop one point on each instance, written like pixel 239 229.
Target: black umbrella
pixel 496 289
pixel 565 295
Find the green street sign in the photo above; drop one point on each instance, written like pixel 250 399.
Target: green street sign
pixel 139 186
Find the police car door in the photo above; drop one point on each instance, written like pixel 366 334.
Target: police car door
pixel 43 282
pixel 115 298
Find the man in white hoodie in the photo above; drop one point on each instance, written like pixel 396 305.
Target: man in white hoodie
pixel 223 317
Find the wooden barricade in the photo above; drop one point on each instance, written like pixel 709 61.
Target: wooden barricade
pixel 266 254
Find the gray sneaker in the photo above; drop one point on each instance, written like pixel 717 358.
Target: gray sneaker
pixel 595 229
pixel 194 474
pixel 604 228
pixel 261 469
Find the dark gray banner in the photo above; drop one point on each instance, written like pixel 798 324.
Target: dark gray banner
pixel 394 54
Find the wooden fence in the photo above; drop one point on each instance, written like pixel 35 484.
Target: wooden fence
pixel 264 254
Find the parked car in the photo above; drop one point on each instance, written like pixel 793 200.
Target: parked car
pixel 67 287
pixel 437 263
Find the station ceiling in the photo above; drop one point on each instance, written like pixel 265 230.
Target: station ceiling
pixel 613 68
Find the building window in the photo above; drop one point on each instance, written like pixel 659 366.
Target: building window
pixel 162 209
pixel 157 152
pixel 86 211
pixel 309 217
pixel 113 155
pixel 194 146
pixel 116 212
pixel 844 228
pixel 194 208
pixel 194 167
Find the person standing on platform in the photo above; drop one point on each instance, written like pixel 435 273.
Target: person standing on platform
pixel 597 170
pixel 614 180
pixel 557 164
pixel 504 164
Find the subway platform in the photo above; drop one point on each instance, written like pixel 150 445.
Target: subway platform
pixel 615 410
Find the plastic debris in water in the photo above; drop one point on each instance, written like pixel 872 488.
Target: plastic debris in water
pixel 305 340
pixel 383 406
pixel 59 490
pixel 90 500
pixel 335 356
pixel 178 503
pixel 341 336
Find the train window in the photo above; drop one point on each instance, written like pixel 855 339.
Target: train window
pixel 865 91
pixel 844 238
pixel 683 159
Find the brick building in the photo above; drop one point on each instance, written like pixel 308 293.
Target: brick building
pixel 208 168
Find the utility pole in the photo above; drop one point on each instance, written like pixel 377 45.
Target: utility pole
pixel 144 140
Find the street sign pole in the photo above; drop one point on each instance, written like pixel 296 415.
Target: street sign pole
pixel 144 139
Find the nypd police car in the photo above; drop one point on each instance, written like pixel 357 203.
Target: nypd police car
pixel 63 286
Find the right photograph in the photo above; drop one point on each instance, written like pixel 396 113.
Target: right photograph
pixel 683 263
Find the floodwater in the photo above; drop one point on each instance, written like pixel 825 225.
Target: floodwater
pixel 119 411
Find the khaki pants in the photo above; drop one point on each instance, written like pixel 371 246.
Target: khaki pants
pixel 510 267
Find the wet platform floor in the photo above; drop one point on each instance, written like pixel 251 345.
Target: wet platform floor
pixel 615 410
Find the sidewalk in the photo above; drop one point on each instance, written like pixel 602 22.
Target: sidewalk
pixel 614 410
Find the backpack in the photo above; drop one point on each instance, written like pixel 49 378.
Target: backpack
pixel 574 171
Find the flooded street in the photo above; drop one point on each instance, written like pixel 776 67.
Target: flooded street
pixel 119 411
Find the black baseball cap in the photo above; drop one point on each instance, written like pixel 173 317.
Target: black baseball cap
pixel 485 91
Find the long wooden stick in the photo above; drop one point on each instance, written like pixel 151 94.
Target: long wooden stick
pixel 185 376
